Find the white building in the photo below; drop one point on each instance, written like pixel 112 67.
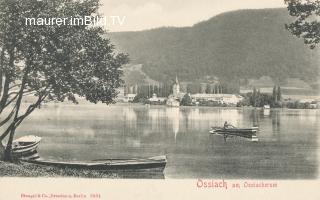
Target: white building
pixel 263 90
pixel 156 99
pixel 221 98
pixel 129 97
pixel 122 97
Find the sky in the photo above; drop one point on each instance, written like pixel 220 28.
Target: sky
pixel 134 15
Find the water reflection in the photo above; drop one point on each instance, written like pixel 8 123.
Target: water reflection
pixel 287 146
pixel 266 112
pixel 130 117
pixel 275 118
pixel 174 116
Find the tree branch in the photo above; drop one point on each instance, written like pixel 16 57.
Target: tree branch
pixel 29 92
pixel 11 93
pixel 3 122
pixel 13 86
pixel 6 132
pixel 5 94
pixel 1 69
pixel 11 100
pixel 29 110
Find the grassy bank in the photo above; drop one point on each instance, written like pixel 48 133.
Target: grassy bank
pixel 31 170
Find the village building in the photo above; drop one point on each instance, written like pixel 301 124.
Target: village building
pixel 156 100
pixel 230 99
pixel 129 97
pixel 123 97
pixel 176 96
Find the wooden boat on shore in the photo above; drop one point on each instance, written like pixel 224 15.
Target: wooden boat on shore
pixel 249 133
pixel 25 147
pixel 154 164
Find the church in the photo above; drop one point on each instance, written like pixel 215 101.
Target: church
pixel 176 96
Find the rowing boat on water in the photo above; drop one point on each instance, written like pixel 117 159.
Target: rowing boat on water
pixel 234 130
pixel 249 133
pixel 155 164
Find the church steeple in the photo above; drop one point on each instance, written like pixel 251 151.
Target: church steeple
pixel 176 88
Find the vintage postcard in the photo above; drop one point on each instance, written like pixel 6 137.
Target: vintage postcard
pixel 159 99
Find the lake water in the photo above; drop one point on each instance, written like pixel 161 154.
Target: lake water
pixel 288 143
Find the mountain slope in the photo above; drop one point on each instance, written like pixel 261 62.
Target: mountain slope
pixel 238 44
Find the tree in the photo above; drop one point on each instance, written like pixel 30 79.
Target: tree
pixel 186 100
pixel 279 96
pixel 274 95
pixel 307 23
pixel 208 89
pixel 52 63
pixel 258 100
pixel 253 98
pixel 141 98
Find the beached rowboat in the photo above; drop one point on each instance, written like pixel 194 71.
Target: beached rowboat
pixel 25 147
pixel 155 164
pixel 25 144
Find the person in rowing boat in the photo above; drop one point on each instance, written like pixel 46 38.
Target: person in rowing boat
pixel 227 125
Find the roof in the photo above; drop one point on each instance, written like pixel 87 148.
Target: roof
pixel 214 95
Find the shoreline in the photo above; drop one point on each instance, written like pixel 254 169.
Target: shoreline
pixel 165 106
pixel 29 170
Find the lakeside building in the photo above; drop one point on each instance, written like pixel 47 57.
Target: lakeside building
pixel 123 97
pixel 156 100
pixel 176 96
pixel 220 98
pixel 129 97
pixel 263 90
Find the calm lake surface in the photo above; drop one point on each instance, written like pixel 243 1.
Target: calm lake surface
pixel 287 149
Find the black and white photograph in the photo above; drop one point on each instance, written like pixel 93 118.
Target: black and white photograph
pixel 147 90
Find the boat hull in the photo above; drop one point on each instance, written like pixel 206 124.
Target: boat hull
pixel 155 164
pixel 249 133
pixel 25 147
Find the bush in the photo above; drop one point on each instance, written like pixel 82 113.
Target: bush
pixel 186 100
pixel 140 98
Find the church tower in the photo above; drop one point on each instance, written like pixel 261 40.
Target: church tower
pixel 176 88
